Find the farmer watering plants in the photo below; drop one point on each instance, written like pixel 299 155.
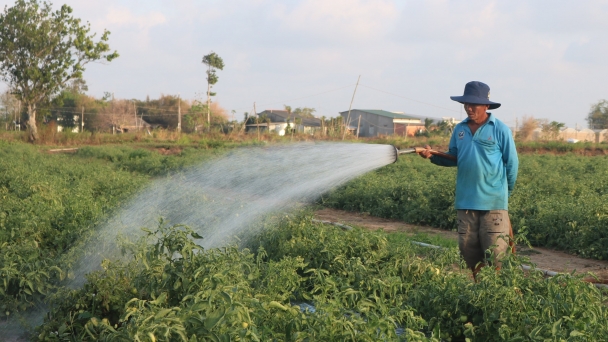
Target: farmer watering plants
pixel 483 150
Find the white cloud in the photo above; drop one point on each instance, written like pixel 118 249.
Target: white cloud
pixel 339 19
pixel 136 27
pixel 124 17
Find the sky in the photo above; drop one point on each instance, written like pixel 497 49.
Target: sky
pixel 546 59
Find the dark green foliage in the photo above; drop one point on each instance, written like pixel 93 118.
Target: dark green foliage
pixel 411 190
pixel 47 203
pixel 50 202
pixel 559 201
pixel 162 111
pixel 598 115
pixel 363 289
pixel 42 49
pixel 150 162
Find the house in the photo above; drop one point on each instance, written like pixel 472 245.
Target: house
pixel 138 124
pixel 276 120
pixel 601 135
pixel 586 134
pixel 580 135
pixel 374 122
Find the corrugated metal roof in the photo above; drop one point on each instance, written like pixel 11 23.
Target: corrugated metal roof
pixel 385 113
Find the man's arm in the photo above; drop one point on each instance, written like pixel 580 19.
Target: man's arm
pixel 453 150
pixel 509 158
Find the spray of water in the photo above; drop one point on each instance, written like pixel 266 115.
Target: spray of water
pixel 224 198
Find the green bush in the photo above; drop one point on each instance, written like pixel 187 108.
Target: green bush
pixel 48 202
pixel 140 160
pixel 363 289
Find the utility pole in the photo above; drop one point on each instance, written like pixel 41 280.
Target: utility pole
pixel 323 126
pixel 209 105
pixel 18 116
pixel 82 120
pixel 179 113
pixel 135 114
pixel 359 125
pixel 349 108
pixel 113 118
pixel 257 121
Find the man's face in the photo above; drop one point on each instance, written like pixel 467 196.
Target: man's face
pixel 476 112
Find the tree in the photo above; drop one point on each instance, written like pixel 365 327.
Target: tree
pixel 528 125
pixel 445 127
pixel 65 108
pixel 213 62
pixel 217 115
pixel 41 50
pixel 551 129
pixel 598 115
pixel 304 112
pixel 428 122
pixel 163 111
pixel 9 107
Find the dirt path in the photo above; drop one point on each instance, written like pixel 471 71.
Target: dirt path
pixel 543 258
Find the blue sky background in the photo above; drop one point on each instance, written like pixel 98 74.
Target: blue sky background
pixel 546 59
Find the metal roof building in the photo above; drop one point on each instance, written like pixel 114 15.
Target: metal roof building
pixel 374 122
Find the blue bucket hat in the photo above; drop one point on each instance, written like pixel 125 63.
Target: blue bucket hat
pixel 478 93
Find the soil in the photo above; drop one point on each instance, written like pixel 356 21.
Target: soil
pixel 544 258
pixel 168 151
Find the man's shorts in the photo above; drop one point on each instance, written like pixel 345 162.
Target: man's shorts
pixel 478 230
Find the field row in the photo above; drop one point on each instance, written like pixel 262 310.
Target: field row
pixel 303 281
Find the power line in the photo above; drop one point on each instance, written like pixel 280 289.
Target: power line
pixel 174 111
pixel 243 108
pixel 115 114
pixel 407 98
pixel 300 98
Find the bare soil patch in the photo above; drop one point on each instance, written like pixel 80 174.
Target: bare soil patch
pixel 168 151
pixel 544 258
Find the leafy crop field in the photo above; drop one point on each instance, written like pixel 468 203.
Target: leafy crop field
pixel 297 280
pixel 49 202
pixel 559 201
pixel 304 281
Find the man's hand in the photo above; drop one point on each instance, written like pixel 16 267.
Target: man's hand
pixel 426 153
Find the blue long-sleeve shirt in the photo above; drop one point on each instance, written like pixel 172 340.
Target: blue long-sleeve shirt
pixel 487 165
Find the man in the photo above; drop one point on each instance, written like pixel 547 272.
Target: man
pixel 487 169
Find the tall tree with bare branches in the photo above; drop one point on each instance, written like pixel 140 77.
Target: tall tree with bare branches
pixel 528 125
pixel 213 63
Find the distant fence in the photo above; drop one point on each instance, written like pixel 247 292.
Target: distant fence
pixel 586 135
